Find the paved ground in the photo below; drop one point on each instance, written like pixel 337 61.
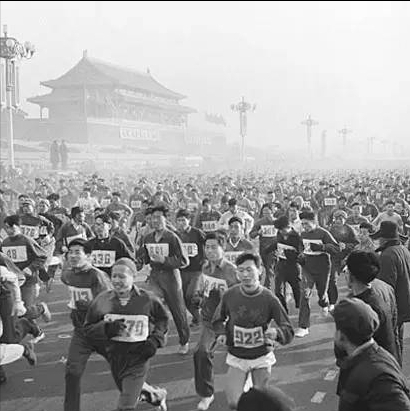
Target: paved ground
pixel 305 370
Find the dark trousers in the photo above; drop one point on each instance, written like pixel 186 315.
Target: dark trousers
pixel 332 289
pixel 78 353
pixel 400 329
pixel 203 363
pixel 286 272
pixel 169 285
pixel 310 280
pixel 267 261
pixel 130 384
pixel 190 287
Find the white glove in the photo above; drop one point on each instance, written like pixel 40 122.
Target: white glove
pixel 19 309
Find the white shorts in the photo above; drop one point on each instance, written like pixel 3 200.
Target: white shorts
pixel 266 361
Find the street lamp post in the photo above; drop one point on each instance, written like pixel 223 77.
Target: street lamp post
pixel 309 123
pixel 243 107
pixel 344 132
pixel 10 50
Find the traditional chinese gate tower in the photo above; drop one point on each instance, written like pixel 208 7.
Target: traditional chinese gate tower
pixel 100 103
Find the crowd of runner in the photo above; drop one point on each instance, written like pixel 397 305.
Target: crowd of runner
pixel 220 251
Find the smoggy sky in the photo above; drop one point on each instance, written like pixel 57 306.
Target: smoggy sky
pixel 346 63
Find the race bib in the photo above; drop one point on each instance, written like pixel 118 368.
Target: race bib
pixel 30 231
pixel 243 209
pixel 208 226
pixel 268 231
pixel 69 239
pixel 232 255
pixel 378 196
pixel 105 202
pixel 282 248
pixel 136 204
pixel 330 201
pixel 307 249
pixel 137 327
pixel 248 337
pixel 192 206
pixel 191 249
pixel 43 230
pixel 103 258
pixel 158 249
pixel 77 294
pixel 18 253
pixel 211 282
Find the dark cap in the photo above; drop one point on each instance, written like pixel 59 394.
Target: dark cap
pixel 268 398
pixel 356 319
pixel 388 229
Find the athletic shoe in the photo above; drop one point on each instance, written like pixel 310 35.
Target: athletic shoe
pixel 183 349
pixel 331 308
pixel 325 312
pixel 205 403
pixel 46 315
pixel 162 394
pixel 39 337
pixel 301 332
pixel 29 353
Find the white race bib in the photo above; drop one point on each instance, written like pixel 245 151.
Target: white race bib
pixel 77 294
pixel 192 206
pixel 18 253
pixel 248 337
pixel 268 230
pixel 30 231
pixel 211 282
pixel 208 226
pixel 158 249
pixel 330 201
pixel 191 249
pixel 43 230
pixel 137 327
pixel 306 245
pixel 232 255
pixel 105 202
pixel 136 204
pixel 103 258
pixel 282 248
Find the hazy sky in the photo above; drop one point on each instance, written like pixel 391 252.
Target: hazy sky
pixel 346 63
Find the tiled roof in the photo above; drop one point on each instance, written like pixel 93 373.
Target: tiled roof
pixel 90 71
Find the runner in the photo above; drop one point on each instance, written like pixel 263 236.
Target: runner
pixel 248 309
pixel 163 250
pixel 218 275
pixel 135 324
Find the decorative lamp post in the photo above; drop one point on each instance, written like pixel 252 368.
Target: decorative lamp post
pixel 309 123
pixel 11 50
pixel 243 107
pixel 344 132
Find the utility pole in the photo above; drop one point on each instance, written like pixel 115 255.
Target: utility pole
pixel 324 137
pixel 309 123
pixel 243 107
pixel 344 132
